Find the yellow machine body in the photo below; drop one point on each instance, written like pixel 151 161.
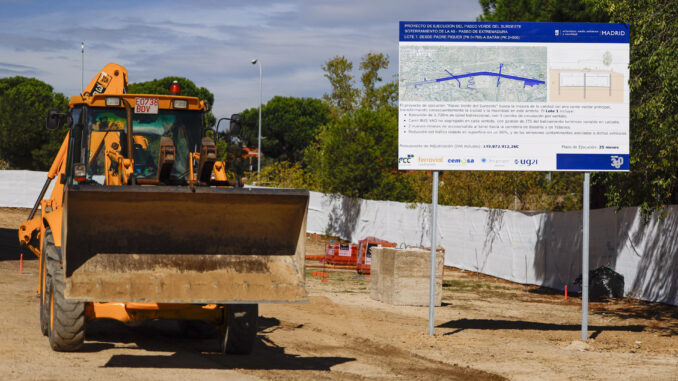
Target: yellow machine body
pixel 144 249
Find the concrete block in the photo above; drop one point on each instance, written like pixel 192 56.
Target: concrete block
pixel 401 276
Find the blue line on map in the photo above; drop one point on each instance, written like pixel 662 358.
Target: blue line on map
pixel 448 72
pixel 526 81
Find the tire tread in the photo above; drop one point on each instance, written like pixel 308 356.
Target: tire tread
pixel 67 332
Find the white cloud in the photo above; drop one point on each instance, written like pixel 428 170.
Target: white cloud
pixel 210 42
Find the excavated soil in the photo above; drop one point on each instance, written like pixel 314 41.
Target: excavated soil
pixel 487 329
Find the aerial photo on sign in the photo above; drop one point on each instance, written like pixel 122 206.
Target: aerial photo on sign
pixel 482 74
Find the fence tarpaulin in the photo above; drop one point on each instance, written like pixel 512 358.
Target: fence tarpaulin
pixel 541 248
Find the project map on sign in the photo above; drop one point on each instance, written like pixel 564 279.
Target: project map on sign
pixel 472 74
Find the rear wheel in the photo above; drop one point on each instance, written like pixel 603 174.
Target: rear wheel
pixel 66 317
pixel 239 330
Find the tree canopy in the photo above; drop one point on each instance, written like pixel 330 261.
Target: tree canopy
pixel 653 180
pixel 542 10
pixel 355 154
pixel 289 125
pixel 25 143
pixel 346 98
pixel 344 95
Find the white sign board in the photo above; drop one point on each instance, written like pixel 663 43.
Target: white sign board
pixel 513 96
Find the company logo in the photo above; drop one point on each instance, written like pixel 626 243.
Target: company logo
pixel 526 162
pixel 617 161
pixel 461 161
pixel 557 32
pixel 405 160
pixel 484 160
pixel 430 159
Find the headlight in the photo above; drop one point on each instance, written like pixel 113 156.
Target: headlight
pixel 180 103
pixel 112 101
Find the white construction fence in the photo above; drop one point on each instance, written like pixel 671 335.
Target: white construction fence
pixel 541 248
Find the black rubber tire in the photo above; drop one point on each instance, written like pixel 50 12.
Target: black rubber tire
pixel 44 298
pixel 66 317
pixel 239 331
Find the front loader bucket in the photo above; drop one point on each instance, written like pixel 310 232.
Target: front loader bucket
pixel 177 245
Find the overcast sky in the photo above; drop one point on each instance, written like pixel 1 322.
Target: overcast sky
pixel 209 42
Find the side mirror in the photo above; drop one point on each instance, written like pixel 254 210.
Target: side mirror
pixel 235 126
pixel 52 119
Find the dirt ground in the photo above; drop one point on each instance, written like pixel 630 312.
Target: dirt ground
pixel 487 329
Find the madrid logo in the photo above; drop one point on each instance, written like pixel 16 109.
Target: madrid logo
pixel 617 161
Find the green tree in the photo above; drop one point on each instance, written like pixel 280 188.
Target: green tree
pixel 250 127
pixel 289 125
pixel 356 156
pixel 653 180
pixel 542 10
pixel 284 175
pixel 188 88
pixel 374 97
pixel 344 96
pixel 25 143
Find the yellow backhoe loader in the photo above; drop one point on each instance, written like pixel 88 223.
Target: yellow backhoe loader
pixel 143 222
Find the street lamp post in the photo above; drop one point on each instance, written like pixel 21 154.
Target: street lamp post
pixel 82 67
pixel 254 62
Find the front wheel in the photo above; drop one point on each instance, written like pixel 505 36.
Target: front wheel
pixel 239 329
pixel 66 317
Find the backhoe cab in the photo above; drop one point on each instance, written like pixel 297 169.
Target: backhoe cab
pixel 144 222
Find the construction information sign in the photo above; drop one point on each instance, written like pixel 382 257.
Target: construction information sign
pixel 513 96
